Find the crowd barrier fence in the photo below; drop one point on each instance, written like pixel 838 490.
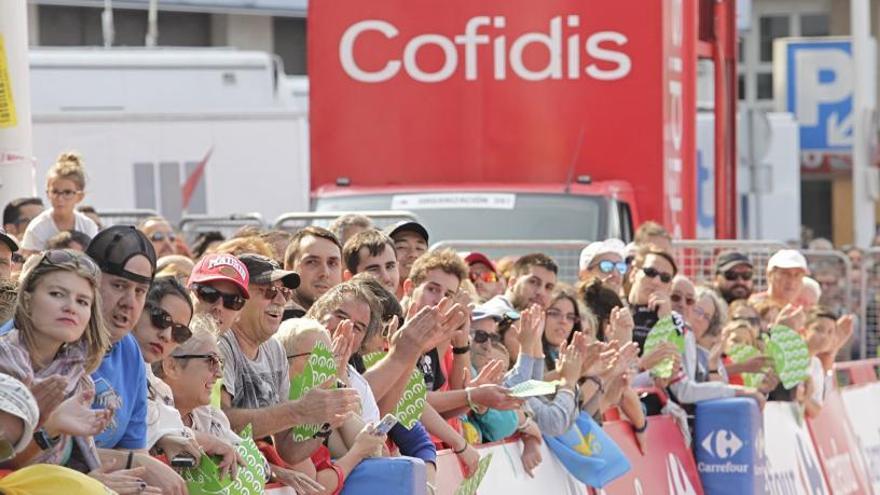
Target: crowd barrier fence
pixel 295 221
pixel 779 452
pixel 193 225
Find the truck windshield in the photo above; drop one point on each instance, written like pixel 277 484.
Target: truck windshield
pixel 489 215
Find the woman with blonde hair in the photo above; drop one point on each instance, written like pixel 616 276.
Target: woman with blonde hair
pixel 65 187
pixel 58 332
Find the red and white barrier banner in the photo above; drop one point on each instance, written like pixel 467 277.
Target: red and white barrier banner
pixel 667 469
pixel 862 404
pixel 792 464
pixel 838 449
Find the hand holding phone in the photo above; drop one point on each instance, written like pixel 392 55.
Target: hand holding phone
pixel 384 426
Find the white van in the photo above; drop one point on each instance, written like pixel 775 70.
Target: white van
pixel 179 131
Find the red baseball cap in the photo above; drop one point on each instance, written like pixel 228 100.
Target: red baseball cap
pixel 219 266
pixel 475 257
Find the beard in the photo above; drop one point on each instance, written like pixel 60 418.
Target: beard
pixel 734 292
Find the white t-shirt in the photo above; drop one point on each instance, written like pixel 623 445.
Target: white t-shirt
pixel 369 407
pixel 42 228
pixel 817 372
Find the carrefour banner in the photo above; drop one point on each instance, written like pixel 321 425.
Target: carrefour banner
pixel 729 450
pixel 792 464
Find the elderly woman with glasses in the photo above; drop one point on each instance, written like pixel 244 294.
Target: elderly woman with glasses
pixel 189 373
pixel 58 339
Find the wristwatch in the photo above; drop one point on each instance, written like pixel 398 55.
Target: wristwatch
pixel 44 441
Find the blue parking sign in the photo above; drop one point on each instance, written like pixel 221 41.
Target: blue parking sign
pixel 818 90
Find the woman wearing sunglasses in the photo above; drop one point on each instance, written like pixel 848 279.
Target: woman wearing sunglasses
pixel 604 260
pixel 189 373
pixel 59 331
pixel 164 325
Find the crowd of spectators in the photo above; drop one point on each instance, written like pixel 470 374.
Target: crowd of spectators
pixel 124 348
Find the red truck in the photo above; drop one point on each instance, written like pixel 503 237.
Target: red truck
pixel 563 119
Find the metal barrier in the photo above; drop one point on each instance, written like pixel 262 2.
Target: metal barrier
pixel 124 217
pixel 868 302
pixel 696 258
pixel 295 221
pixel 566 253
pixel 192 225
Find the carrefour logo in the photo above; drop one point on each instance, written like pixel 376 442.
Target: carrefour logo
pixel 722 444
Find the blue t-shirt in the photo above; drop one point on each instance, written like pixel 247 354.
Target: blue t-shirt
pixel 121 380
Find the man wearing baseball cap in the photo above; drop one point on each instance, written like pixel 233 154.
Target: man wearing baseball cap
pixel 128 263
pixel 734 274
pixel 785 277
pixel 410 241
pixel 484 276
pixel 255 370
pixel 604 260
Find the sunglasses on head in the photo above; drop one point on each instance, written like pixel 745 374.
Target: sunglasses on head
pixel 487 277
pixel 677 298
pixel 730 276
pixel 481 337
pixel 652 272
pixel 58 257
pixel 161 319
pixel 271 291
pixel 210 295
pixel 161 236
pixel 607 266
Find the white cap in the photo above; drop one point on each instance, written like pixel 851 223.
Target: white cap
pixel 16 399
pixel 614 246
pixel 787 258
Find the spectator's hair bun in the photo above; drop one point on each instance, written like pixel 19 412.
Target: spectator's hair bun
pixel 69 165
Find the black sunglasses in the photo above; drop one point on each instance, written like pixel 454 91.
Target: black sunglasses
pixel 652 272
pixel 210 295
pixel 214 361
pixel 161 319
pixel 481 337
pixel 730 276
pixel 677 298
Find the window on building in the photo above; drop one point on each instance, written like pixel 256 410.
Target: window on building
pixel 81 26
pixel 772 27
pixel 290 43
pixel 741 86
pixel 815 25
pixel 765 86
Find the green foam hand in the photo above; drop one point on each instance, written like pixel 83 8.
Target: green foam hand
pixel 469 486
pixel 412 402
pixel 743 352
pixel 791 359
pixel 320 367
pixel 205 478
pixel 664 331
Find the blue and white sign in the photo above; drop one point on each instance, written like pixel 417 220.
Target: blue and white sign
pixel 815 76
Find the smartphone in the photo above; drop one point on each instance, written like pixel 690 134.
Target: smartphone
pixel 183 461
pixel 386 424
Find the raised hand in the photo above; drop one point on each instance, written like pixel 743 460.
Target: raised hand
pixel 791 316
pixel 76 417
pixel 491 374
pixel 420 333
pixel 621 325
pixel 343 344
pixel 660 303
pixel 49 393
pixel 319 406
